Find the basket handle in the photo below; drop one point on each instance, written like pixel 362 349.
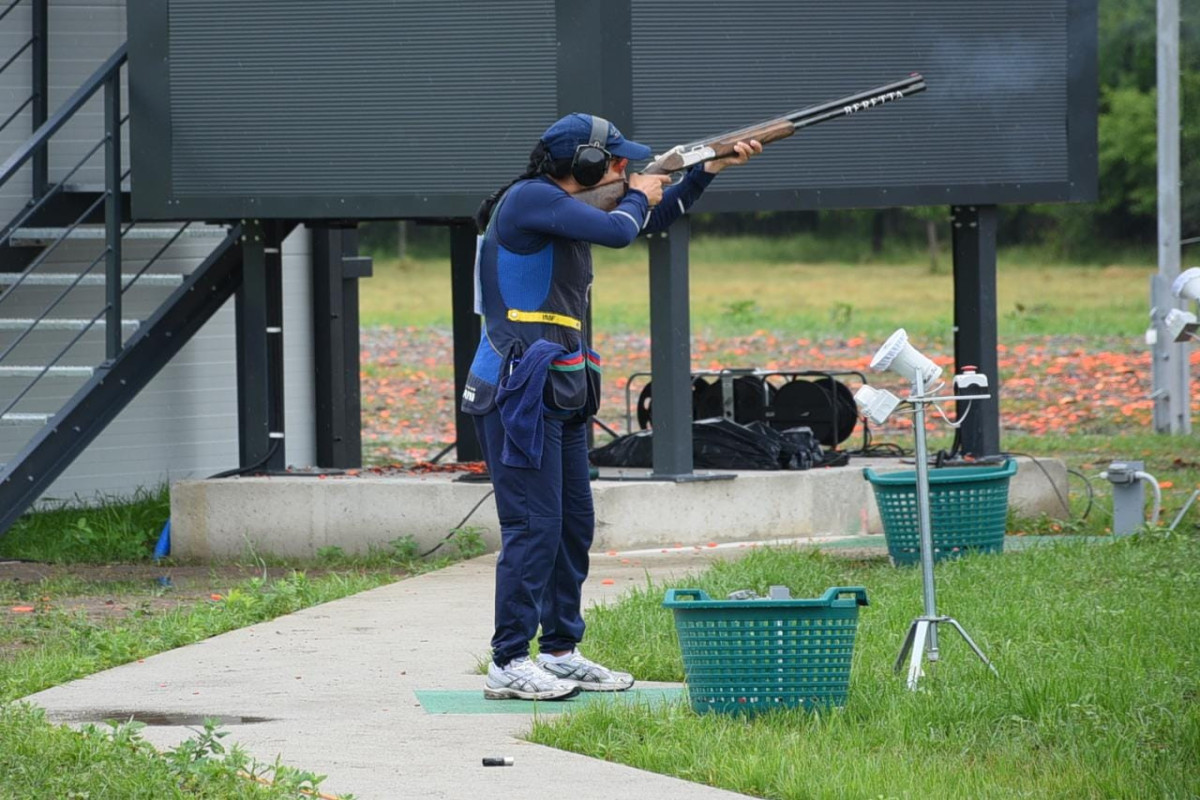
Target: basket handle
pixel 833 593
pixel 673 595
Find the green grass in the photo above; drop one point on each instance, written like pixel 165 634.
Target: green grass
pixel 1094 639
pixel 122 529
pixel 1095 645
pixel 40 760
pixel 800 285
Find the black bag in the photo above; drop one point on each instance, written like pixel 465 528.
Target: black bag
pixel 719 443
pixel 630 450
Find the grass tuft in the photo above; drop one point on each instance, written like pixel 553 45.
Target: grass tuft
pixel 117 529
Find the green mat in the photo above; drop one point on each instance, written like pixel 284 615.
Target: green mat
pixel 472 701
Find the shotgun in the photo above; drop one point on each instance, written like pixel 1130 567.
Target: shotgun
pixel 606 196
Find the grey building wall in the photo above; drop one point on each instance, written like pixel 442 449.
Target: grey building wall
pixel 184 424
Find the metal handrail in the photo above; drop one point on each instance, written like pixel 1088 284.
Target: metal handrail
pixel 41 258
pixel 28 44
pixel 145 267
pixel 60 117
pixel 63 294
pixel 17 113
pixel 108 78
pixel 11 6
pixel 53 361
pixel 7 234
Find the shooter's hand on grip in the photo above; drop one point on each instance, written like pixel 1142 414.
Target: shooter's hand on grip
pixel 649 185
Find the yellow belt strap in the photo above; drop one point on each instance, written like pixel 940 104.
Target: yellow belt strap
pixel 548 317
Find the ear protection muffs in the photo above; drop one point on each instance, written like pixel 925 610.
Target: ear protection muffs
pixel 591 159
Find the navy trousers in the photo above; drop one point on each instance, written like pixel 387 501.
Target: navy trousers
pixel 546 527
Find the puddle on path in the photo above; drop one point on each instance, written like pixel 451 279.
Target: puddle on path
pixel 161 718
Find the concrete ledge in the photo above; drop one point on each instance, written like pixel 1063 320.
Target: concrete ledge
pixel 298 516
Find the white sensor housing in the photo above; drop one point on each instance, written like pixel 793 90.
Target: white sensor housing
pixel 875 404
pixel 1187 284
pixel 905 360
pixel 1180 325
pixel 970 379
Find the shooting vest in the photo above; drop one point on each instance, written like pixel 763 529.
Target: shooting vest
pixel 526 296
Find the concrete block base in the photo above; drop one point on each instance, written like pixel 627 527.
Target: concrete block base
pixel 296 517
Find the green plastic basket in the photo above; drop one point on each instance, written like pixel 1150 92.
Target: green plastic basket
pixel 750 656
pixel 968 507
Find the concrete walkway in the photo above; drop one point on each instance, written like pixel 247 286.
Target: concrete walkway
pixel 332 689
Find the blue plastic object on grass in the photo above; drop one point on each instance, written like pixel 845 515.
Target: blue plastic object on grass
pixel 163 548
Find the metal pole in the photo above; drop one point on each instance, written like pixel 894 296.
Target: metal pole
pixel 467 327
pixel 1172 411
pixel 253 358
pixel 112 213
pixel 670 352
pixel 40 83
pixel 973 243
pixel 923 516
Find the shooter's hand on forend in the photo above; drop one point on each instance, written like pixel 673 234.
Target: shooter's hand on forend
pixel 649 185
pixel 743 152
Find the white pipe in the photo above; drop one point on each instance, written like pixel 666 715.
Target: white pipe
pixel 1146 477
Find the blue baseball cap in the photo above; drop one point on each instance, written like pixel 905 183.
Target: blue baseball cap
pixel 564 137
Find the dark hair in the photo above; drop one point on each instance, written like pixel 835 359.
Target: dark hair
pixel 540 163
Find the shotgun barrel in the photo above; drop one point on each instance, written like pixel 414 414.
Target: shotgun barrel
pixel 683 156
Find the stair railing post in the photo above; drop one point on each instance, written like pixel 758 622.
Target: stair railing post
pixel 40 82
pixel 112 212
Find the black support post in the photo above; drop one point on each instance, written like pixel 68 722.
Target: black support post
pixel 114 334
pixel 253 363
pixel 336 270
pixel 975 321
pixel 273 269
pixel 466 331
pixel 670 352
pixel 40 83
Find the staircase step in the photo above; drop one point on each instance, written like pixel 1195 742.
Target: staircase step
pixel 57 371
pixel 41 237
pixel 24 419
pixel 91 188
pixel 61 324
pixel 66 279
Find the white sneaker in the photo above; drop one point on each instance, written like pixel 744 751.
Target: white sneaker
pixel 522 679
pixel 589 676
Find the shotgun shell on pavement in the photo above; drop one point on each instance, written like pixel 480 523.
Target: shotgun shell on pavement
pixel 498 761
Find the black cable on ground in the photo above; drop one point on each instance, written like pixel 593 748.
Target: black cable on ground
pixel 457 527
pixel 1050 480
pixel 1091 493
pixel 881 450
pixel 229 473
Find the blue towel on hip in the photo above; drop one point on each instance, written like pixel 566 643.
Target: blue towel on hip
pixel 519 400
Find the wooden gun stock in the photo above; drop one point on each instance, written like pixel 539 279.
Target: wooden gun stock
pixel 607 196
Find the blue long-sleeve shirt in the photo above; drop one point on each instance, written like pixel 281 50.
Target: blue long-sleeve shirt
pixel 535 276
pixel 540 208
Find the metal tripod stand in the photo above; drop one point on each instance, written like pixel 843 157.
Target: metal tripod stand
pixel 922 634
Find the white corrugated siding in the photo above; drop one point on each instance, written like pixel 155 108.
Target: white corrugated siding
pixel 184 424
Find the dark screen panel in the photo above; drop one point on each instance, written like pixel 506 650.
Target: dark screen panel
pixel 417 109
pixel 995 112
pixel 281 100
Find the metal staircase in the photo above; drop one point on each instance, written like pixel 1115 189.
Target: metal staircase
pixel 77 346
